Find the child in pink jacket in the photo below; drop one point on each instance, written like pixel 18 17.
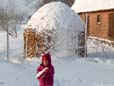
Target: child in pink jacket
pixel 47 77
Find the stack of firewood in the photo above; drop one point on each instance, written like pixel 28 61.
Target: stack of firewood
pixel 34 43
pixel 40 44
pixel 37 43
pixel 29 42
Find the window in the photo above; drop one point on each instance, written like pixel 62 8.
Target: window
pixel 98 19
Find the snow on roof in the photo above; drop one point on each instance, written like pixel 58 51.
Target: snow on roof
pixel 92 5
pixel 55 15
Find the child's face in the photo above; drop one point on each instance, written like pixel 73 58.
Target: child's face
pixel 45 62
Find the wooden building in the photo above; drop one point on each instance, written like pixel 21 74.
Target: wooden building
pixel 99 15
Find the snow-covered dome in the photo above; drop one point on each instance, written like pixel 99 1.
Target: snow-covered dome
pixel 55 15
pixel 58 17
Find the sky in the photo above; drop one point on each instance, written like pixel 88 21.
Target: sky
pixel 22 5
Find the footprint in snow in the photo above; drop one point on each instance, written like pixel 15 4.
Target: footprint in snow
pixel 2 83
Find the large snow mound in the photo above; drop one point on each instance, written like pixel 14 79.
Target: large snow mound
pixel 55 15
pixel 63 22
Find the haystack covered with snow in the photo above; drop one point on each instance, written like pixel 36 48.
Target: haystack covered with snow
pixel 59 26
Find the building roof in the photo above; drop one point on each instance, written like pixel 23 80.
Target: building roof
pixel 92 5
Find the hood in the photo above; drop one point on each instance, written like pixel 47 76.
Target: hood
pixel 47 57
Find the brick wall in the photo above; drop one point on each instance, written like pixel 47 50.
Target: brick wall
pixel 100 24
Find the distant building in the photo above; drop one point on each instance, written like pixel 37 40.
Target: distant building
pixel 99 15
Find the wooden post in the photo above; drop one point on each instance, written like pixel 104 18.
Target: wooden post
pixel 86 27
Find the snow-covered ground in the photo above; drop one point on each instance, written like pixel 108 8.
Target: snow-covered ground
pixel 98 49
pixel 15 44
pixel 69 71
pixel 95 70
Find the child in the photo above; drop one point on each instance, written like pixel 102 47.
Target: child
pixel 46 78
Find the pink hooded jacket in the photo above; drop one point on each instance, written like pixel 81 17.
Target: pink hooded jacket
pixel 46 79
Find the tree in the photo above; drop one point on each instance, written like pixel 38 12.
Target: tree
pixel 9 19
pixel 68 2
pixel 39 3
